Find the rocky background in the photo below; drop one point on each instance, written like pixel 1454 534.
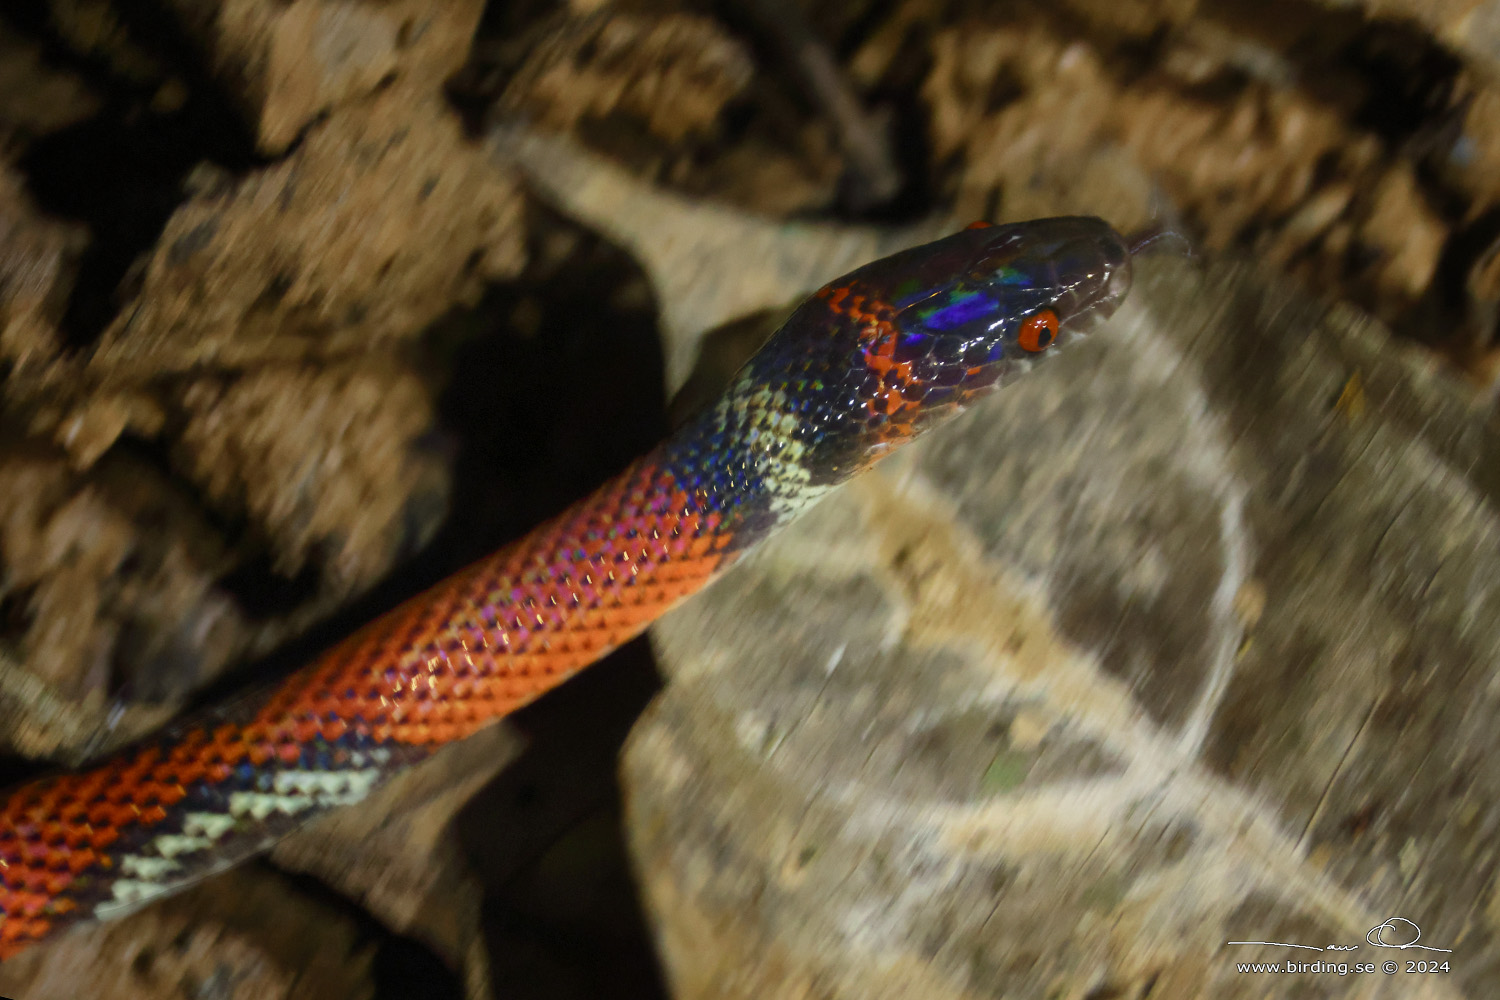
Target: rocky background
pixel 1190 639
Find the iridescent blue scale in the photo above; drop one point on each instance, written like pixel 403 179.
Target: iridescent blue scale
pixel 960 308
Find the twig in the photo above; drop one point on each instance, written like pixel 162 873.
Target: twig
pixel 873 169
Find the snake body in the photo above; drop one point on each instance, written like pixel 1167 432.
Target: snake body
pixel 867 363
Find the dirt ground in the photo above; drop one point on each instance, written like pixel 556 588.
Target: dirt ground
pixel 282 340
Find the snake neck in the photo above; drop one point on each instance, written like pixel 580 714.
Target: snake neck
pixel 792 425
pixel 755 459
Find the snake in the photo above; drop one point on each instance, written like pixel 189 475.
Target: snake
pixel 867 363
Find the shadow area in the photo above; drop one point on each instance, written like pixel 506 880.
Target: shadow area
pixel 563 919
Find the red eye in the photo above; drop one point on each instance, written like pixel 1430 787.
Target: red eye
pixel 981 224
pixel 1038 331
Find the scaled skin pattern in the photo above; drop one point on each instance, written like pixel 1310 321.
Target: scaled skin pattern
pixel 867 363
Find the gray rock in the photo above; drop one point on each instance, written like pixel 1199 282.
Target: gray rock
pixel 1187 639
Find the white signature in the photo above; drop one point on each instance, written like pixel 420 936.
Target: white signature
pixel 1393 932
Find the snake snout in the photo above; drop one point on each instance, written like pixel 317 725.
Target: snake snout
pixel 1091 271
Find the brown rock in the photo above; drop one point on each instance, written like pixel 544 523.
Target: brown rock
pixel 245 935
pixel 397 854
pixel 1161 648
pixel 37 260
pixel 320 459
pixel 1406 233
pixel 709 265
pixel 93 28
pixel 672 74
pixel 1036 121
pixel 35 98
pixel 88 429
pixel 105 578
pixel 1475 163
pixel 1317 213
pixel 1238 164
pixel 382 219
pixel 768 176
pixel 1472 27
pixel 290 62
pixel 1137 18
pixel 1030 117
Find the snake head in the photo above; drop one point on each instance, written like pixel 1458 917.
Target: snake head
pixel 902 343
pixel 939 325
pixel 990 293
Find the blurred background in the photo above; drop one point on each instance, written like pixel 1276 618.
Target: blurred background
pixel 306 303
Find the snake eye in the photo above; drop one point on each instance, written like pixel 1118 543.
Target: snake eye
pixel 981 224
pixel 1038 331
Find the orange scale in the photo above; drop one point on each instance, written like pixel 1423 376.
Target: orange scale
pixel 36 927
pixel 281 705
pixel 31 805
pixel 700 570
pixel 66 802
pixel 441 713
pixel 102 838
pixel 260 755
pixel 26 905
pixel 442 733
pixel 191 747
pixel 192 772
pixel 367 695
pixel 122 814
pixel 146 758
pixel 13 930
pixel 235 752
pixel 88 786
pixel 79 860
pixel 35 879
pixel 261 732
